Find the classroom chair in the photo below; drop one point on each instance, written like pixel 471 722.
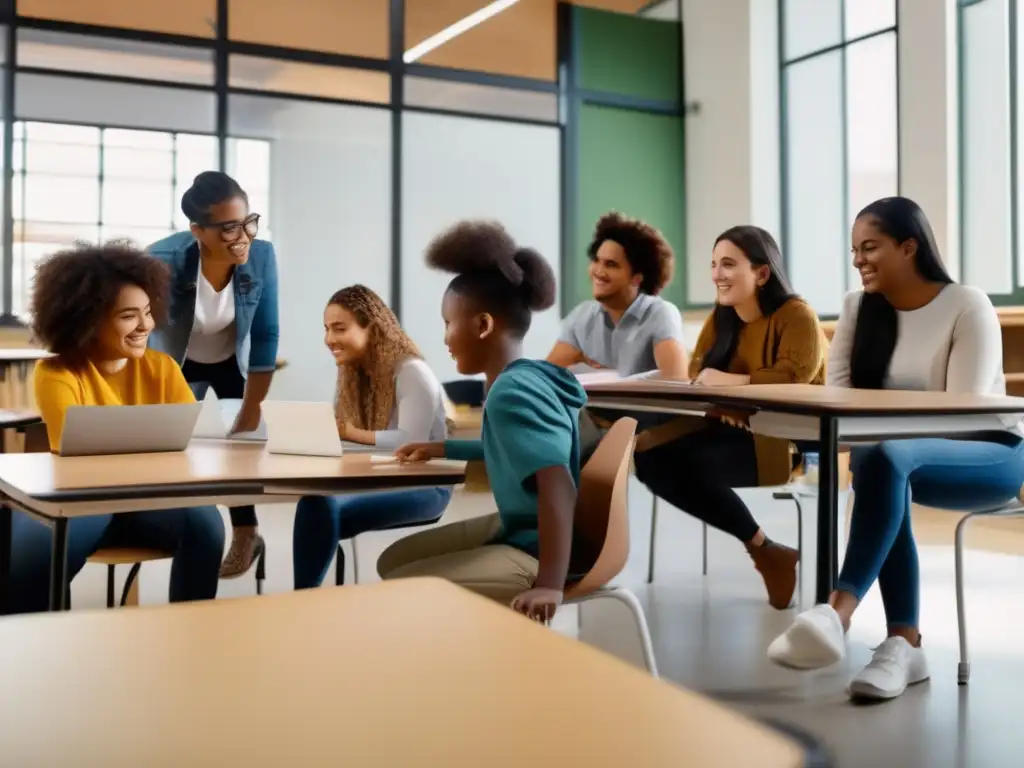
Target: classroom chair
pixel 115 556
pixel 1014 509
pixel 469 392
pixel 601 528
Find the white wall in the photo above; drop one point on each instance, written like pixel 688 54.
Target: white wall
pixel 330 189
pixel 457 168
pixel 732 146
pixel 928 117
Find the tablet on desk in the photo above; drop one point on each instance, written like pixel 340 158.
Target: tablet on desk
pixel 301 429
pixel 99 430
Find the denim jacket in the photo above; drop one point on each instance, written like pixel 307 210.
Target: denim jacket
pixel 255 285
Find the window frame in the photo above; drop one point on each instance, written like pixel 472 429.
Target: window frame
pixel 842 47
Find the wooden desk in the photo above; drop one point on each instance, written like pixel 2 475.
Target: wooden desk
pixel 16 365
pixel 404 673
pixel 56 489
pixel 826 415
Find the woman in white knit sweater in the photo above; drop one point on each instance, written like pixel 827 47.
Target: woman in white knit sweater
pixel 911 328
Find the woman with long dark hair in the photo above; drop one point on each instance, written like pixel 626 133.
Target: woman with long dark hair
pixel 911 328
pixel 760 332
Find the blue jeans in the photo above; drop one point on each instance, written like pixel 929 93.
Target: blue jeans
pixel 194 535
pixel 970 476
pixel 322 521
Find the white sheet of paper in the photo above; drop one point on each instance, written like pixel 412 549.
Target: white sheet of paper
pixel 587 375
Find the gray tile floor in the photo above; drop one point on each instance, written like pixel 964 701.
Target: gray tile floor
pixel 710 634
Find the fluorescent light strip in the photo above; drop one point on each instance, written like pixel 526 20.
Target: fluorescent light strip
pixel 462 25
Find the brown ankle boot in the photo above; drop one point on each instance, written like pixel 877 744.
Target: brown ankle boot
pixel 777 565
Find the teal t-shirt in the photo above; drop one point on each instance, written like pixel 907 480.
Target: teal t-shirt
pixel 531 422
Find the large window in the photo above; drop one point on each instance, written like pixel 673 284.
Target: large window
pixel 840 129
pixel 83 183
pixel 990 168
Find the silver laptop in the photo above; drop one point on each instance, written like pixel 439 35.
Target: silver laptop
pixel 301 429
pixel 98 430
pixel 217 416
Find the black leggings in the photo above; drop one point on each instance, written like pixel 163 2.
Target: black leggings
pixel 227 382
pixel 698 471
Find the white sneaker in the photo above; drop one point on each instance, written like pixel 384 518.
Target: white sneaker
pixel 895 665
pixel 814 640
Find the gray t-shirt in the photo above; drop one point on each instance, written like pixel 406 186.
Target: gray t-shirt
pixel 626 348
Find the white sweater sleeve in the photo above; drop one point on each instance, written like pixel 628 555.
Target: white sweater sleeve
pixel 417 402
pixel 976 348
pixel 838 374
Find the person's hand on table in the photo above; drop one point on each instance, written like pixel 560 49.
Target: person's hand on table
pixel 712 377
pixel 538 603
pixel 247 420
pixel 416 453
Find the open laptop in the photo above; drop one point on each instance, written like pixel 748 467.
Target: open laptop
pixel 301 429
pixel 99 430
pixel 217 416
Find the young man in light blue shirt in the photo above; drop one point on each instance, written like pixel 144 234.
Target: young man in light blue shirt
pixel 627 328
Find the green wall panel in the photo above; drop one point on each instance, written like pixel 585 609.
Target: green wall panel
pixel 627 55
pixel 631 162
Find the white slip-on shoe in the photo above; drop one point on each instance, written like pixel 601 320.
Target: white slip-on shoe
pixel 814 640
pixel 895 665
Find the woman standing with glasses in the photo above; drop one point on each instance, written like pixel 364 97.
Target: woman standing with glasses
pixel 223 326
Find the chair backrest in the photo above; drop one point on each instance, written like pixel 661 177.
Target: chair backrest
pixel 601 524
pixel 465 392
pixel 37 439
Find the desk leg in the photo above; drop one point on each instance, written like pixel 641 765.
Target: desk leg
pixel 6 534
pixel 59 565
pixel 828 490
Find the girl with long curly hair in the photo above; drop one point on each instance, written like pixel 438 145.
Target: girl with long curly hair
pixel 386 396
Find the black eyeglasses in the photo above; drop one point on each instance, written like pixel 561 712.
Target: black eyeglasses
pixel 230 231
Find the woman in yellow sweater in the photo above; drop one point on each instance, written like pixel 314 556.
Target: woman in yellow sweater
pixel 760 332
pixel 94 307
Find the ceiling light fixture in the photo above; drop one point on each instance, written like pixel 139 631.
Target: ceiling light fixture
pixel 462 25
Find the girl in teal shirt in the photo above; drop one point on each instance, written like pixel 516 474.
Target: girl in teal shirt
pixel 530 440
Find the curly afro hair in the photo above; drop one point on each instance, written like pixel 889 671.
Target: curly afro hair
pixel 647 251
pixel 74 291
pixel 506 280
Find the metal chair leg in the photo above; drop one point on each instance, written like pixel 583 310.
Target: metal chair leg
pixel 963 671
pixel 110 587
pixel 704 549
pixel 654 531
pixel 339 566
pixel 132 575
pixel 355 561
pixel 799 529
pixel 629 600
